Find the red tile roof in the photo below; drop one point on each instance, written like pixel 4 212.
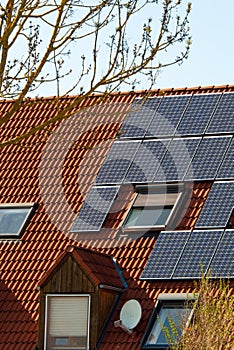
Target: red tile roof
pixel 56 169
pixel 100 267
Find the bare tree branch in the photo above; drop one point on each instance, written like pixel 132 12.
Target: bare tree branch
pixel 38 37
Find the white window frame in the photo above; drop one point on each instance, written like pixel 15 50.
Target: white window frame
pixel 8 206
pixel 46 315
pixel 162 193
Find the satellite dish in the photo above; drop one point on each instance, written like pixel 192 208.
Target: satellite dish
pixel 130 314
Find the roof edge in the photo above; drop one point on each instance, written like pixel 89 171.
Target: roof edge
pixel 154 92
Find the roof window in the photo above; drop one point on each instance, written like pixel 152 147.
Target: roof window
pixel 152 208
pixel 14 219
pixel 170 317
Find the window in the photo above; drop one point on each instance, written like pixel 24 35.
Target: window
pixel 67 322
pixel 152 207
pixel 14 218
pixel 171 311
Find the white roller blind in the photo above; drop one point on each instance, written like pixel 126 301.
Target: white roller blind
pixel 67 316
pixel 155 199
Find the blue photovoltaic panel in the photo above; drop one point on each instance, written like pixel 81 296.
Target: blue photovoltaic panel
pixel 168 116
pixel 147 161
pixel 165 255
pixel 198 114
pixel 223 118
pixel 208 158
pixel 218 206
pixel 177 160
pixel 226 170
pixel 117 162
pixel 95 209
pixel 222 265
pixel 139 118
pixel 197 254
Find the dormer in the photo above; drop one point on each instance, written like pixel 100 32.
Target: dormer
pixel 77 297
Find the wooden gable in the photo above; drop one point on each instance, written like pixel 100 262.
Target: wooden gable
pixel 69 277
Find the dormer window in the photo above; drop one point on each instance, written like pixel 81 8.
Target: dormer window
pixel 14 218
pixel 151 208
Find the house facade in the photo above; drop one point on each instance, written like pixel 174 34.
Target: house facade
pixel 108 216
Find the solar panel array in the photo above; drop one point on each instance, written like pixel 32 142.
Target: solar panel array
pixel 167 251
pixel 208 158
pixel 117 162
pixel 177 160
pixel 218 207
pixel 198 114
pixel 186 255
pixel 95 209
pixel 197 254
pixel 147 161
pixel 138 120
pixel 222 264
pixel 226 170
pixel 181 115
pixel 168 116
pixel 171 139
pixel 222 120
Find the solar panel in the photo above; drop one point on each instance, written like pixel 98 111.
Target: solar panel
pixel 198 114
pixel 197 254
pixel 223 118
pixel 177 160
pixel 95 209
pixel 218 206
pixel 138 120
pixel 168 116
pixel 222 265
pixel 117 162
pixel 147 161
pixel 208 158
pixel 165 255
pixel 226 171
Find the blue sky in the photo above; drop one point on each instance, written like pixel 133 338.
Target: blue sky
pixel 211 60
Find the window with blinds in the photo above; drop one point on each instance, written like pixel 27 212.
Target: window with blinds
pixel 67 322
pixel 151 210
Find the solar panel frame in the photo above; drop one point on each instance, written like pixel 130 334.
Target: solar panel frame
pixel 222 264
pixel 146 161
pixel 222 120
pixel 95 209
pixel 117 162
pixel 176 161
pixel 197 255
pixel 198 114
pixel 137 121
pixel 208 157
pixel 165 255
pixel 226 169
pixel 218 207
pixel 168 116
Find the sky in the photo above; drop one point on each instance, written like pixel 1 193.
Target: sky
pixel 211 60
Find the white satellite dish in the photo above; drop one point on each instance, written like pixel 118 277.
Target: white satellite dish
pixel 130 314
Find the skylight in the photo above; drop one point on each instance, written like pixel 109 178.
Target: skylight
pixel 150 210
pixel 14 218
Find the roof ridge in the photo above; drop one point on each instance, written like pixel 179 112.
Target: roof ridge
pixel 199 89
